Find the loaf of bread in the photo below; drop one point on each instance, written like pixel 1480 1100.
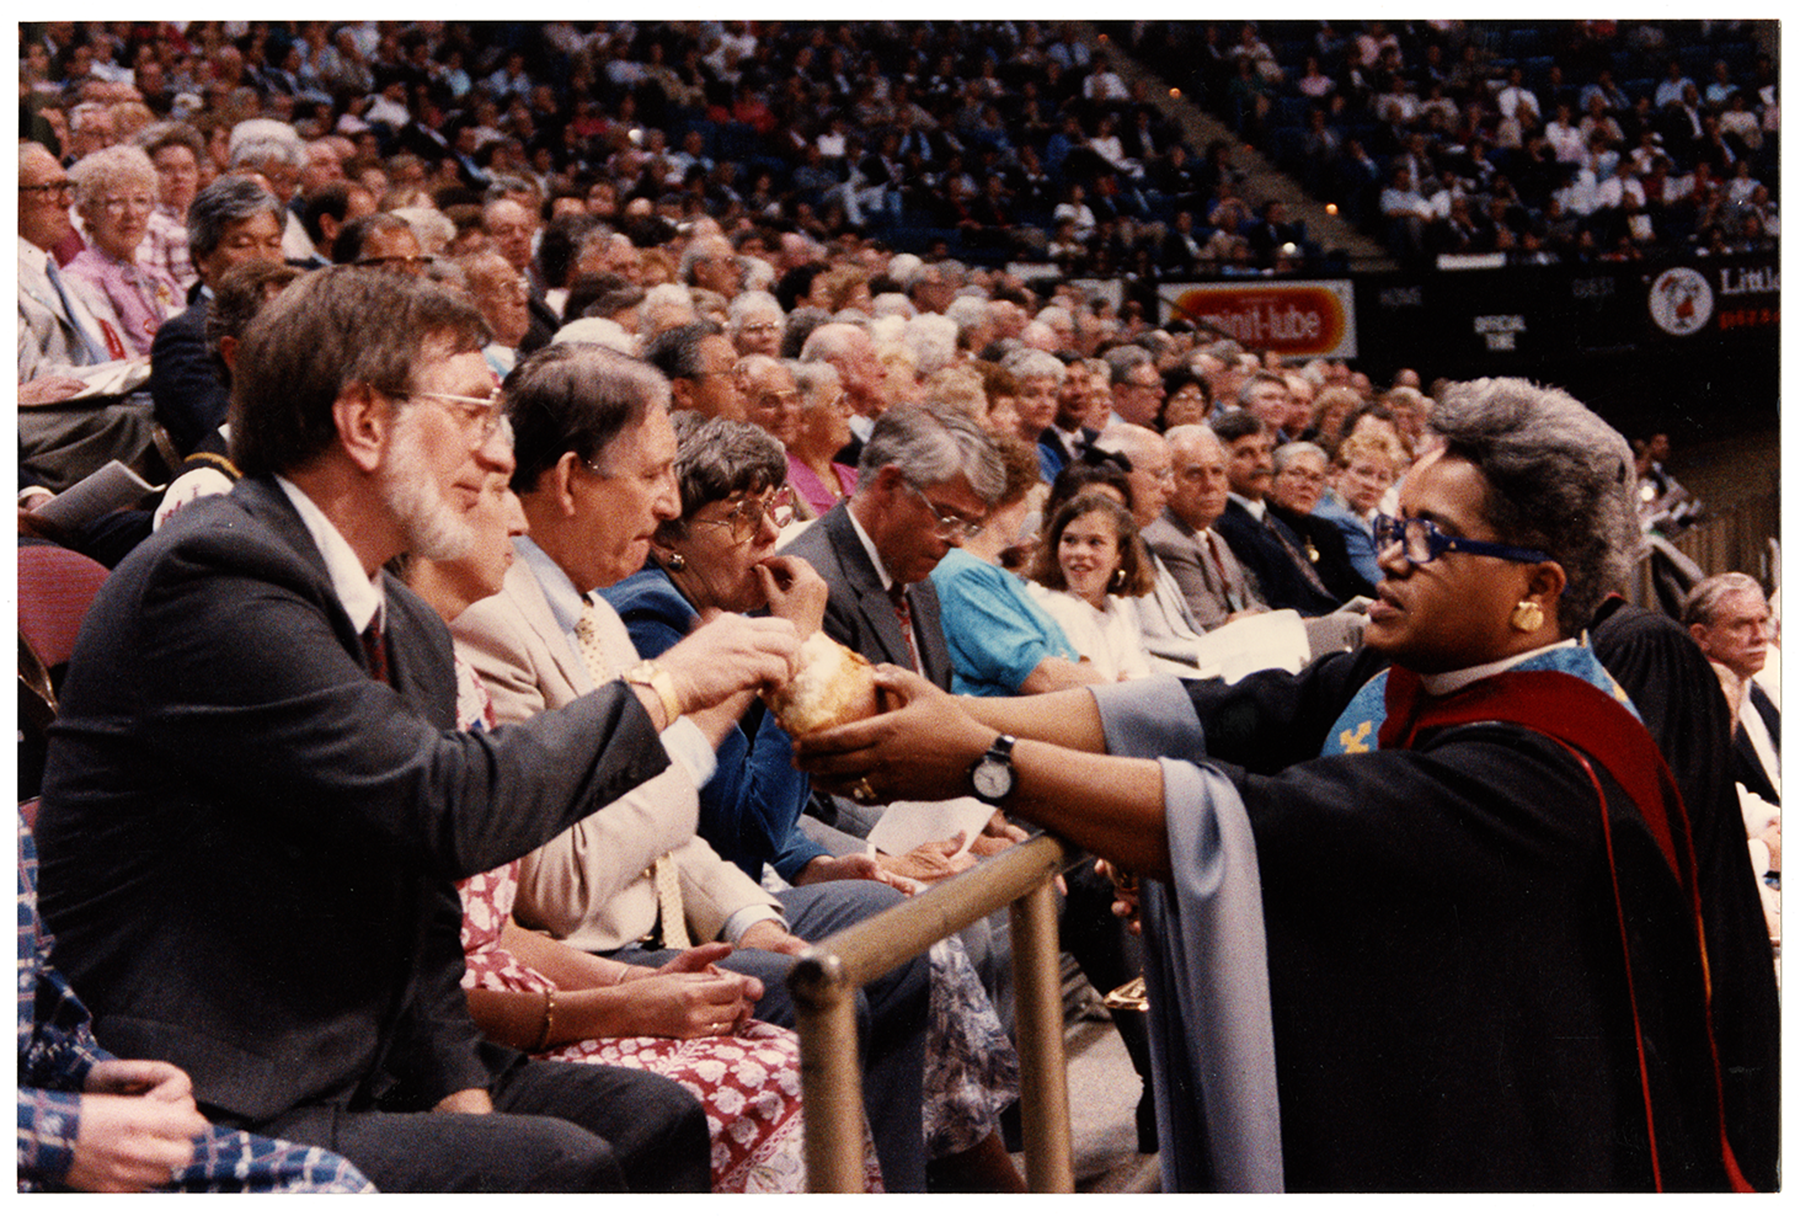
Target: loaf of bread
pixel 831 685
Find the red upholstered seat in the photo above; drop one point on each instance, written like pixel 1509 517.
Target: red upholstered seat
pixel 56 585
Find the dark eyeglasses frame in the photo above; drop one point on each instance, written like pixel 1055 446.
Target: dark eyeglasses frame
pixel 1391 530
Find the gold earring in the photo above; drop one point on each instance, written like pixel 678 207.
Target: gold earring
pixel 675 562
pixel 1527 616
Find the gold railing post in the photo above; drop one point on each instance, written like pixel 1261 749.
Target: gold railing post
pixel 826 978
pixel 1043 1075
pixel 830 1080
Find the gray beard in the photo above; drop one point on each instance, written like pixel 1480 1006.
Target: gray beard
pixel 429 526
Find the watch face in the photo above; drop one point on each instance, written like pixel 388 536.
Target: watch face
pixel 992 778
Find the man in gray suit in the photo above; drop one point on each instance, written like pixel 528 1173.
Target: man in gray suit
pixel 925 483
pixel 595 454
pixel 1202 564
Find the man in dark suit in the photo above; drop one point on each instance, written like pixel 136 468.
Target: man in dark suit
pixel 1729 616
pixel 510 227
pixel 256 805
pixel 926 482
pixel 233 220
pixel 1294 491
pixel 1065 438
pixel 1266 546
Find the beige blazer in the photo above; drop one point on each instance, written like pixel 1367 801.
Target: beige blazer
pixel 591 886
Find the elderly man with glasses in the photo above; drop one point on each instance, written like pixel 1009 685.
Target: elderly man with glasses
pixel 63 346
pixel 256 881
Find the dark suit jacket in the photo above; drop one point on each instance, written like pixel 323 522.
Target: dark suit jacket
pixel 1277 576
pixel 1333 564
pixel 249 846
pixel 1746 765
pixel 859 613
pixel 544 324
pixel 189 397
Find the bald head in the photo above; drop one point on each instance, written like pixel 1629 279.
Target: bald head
pixel 851 351
pixel 1150 474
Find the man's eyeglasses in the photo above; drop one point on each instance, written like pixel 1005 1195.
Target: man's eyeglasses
pixel 479 416
pixel 62 189
pixel 949 526
pixel 1422 542
pixel 746 519
pixel 416 263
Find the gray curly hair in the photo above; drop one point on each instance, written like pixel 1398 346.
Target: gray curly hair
pixel 1559 478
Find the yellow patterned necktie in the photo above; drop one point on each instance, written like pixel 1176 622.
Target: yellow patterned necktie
pixel 665 875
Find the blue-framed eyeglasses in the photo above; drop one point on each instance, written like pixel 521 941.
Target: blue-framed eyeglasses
pixel 1421 542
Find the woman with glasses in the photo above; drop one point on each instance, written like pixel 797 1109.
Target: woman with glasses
pixel 719 555
pixel 818 480
pixel 1423 916
pixel 543 996
pixel 115 194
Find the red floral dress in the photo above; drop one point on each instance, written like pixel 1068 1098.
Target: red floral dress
pixel 748 1082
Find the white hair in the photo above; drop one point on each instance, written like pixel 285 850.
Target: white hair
pixel 932 340
pixel 968 311
pixel 888 331
pixel 258 139
pixel 893 304
pixel 434 229
pixel 602 331
pixel 904 267
pixel 1027 363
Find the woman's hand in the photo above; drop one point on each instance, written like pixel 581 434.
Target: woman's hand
pixel 690 1004
pixel 923 749
pixel 932 861
pixel 795 592
pixel 826 868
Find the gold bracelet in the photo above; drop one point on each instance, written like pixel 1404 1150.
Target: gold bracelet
pixel 543 1041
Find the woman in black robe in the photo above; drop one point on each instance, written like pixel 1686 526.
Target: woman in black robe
pixel 1445 882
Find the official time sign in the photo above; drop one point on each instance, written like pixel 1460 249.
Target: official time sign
pixel 1305 319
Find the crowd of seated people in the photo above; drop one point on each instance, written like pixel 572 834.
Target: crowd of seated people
pixel 1589 140
pixel 1161 481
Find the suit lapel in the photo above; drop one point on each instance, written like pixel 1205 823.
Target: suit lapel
pixel 528 597
pixel 871 598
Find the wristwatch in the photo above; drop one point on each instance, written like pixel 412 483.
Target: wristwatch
pixel 656 678
pixel 992 776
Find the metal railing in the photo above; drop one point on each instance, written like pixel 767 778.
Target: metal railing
pixel 1735 536
pixel 826 978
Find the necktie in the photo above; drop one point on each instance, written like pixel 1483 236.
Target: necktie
pixel 665 875
pixel 1306 568
pixel 1234 600
pixel 92 351
pixel 374 644
pixel 903 610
